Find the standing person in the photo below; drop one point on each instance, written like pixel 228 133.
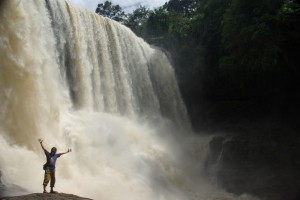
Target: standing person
pixel 49 166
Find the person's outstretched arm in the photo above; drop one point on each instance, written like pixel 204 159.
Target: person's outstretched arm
pixel 41 142
pixel 69 150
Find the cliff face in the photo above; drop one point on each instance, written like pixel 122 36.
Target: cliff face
pixel 41 196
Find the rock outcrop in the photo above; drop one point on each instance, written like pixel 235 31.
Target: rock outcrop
pixel 42 196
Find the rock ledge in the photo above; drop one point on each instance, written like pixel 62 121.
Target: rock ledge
pixel 42 196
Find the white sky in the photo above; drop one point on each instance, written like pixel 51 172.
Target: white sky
pixel 127 5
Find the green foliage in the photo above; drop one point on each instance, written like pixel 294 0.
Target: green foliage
pixel 179 25
pixel 158 23
pixel 258 47
pixel 115 12
pixel 138 19
pixel 253 25
pixel 184 7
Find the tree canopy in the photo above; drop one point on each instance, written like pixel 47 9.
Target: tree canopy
pixel 108 9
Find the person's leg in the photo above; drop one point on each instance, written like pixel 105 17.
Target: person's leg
pixel 52 182
pixel 46 179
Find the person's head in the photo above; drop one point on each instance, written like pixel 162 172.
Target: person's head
pixel 53 150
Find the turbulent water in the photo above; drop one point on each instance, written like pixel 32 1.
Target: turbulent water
pixel 81 81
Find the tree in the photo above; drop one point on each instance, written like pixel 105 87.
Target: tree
pixel 138 19
pixel 185 7
pixel 115 12
pixel 158 23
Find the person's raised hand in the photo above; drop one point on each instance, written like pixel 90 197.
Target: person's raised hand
pixel 69 150
pixel 40 140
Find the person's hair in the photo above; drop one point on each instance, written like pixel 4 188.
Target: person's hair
pixel 53 149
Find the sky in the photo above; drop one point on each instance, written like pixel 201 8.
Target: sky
pixel 127 5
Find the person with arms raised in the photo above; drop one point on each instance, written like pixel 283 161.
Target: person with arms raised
pixel 49 166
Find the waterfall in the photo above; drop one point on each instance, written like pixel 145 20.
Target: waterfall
pixel 109 69
pixel 79 80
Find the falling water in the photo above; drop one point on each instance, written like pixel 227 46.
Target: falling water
pixel 79 80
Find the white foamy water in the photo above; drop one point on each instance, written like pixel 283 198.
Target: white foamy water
pixel 82 81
